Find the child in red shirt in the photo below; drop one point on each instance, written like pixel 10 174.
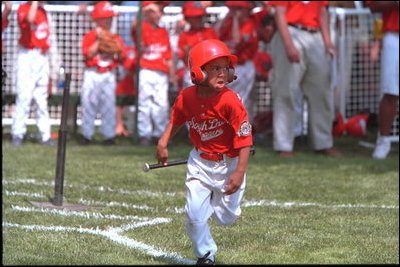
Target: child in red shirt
pixel 221 134
pixel 99 81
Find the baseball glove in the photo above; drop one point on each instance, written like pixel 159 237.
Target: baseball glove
pixel 108 43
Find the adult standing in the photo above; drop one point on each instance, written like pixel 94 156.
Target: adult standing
pixel 301 54
pixel 389 73
pixel 32 71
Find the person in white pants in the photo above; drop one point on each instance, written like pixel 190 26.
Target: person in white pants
pixel 32 72
pixel 388 106
pixel 99 81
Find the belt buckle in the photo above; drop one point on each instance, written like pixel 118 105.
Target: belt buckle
pixel 212 156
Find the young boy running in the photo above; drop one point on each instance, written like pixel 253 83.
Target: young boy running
pixel 221 135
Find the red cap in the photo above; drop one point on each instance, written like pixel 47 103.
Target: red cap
pixel 243 4
pixel 193 9
pixel 164 3
pixel 103 9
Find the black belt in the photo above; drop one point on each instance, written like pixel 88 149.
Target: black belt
pixel 303 28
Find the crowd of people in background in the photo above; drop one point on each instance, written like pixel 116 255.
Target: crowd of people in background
pixel 300 55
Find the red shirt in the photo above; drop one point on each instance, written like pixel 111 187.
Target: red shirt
pixel 248 45
pixel 103 62
pixel 35 35
pixel 188 39
pixel 390 19
pixel 217 124
pixel 306 13
pixel 155 47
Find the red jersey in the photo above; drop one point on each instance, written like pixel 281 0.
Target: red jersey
pixel 248 45
pixel 4 23
pixel 390 19
pixel 216 124
pixel 103 62
pixel 155 47
pixel 35 35
pixel 188 39
pixel 306 13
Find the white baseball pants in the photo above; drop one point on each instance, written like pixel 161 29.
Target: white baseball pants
pixel 390 64
pixel 98 96
pixel 204 181
pixel 153 103
pixel 32 81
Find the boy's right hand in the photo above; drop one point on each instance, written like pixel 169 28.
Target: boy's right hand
pixel 162 154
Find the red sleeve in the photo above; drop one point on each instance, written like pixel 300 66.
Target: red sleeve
pixel 88 39
pixel 177 115
pixel 168 53
pixel 237 117
pixel 4 23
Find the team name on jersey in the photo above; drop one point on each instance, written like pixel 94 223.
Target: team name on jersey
pixel 207 128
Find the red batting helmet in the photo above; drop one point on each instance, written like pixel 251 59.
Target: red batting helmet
pixel 193 9
pixel 103 9
pixel 204 52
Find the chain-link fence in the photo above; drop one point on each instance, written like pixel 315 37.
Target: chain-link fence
pixel 356 77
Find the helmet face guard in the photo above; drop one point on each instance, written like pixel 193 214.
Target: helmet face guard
pixel 203 53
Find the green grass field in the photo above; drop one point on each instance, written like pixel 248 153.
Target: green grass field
pixel 307 210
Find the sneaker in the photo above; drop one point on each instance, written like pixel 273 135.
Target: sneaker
pixel 382 148
pixel 48 142
pixel 205 260
pixel 16 141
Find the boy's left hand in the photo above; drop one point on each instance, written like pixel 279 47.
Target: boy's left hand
pixel 234 183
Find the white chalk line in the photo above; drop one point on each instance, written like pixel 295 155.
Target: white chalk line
pixel 114 236
pixel 84 214
pixel 112 232
pixel 99 188
pixel 245 203
pixel 23 194
pixel 259 203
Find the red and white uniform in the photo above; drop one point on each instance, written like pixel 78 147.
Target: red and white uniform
pixel 312 75
pixel 186 41
pixel 32 71
pixel 153 80
pixel 218 124
pixel 245 51
pixel 390 52
pixel 98 89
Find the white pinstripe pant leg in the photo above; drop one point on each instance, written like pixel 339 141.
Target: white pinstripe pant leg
pixel 32 81
pixel 153 103
pixel 98 95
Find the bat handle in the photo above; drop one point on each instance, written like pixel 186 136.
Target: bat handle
pixel 147 167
